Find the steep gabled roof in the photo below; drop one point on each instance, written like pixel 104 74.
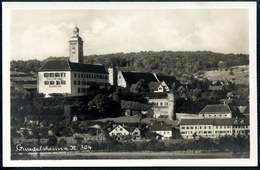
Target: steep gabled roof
pixel 169 80
pixel 66 65
pixel 217 108
pixel 154 85
pixel 134 77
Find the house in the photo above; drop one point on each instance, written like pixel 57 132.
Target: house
pixel 125 79
pixel 216 111
pixel 72 77
pixel 157 87
pixel 121 130
pixel 165 130
pixel 213 128
pixel 162 104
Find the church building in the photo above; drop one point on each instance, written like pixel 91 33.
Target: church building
pixel 71 77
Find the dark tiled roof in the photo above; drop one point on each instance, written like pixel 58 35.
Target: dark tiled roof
pixel 219 108
pixel 134 77
pixel 160 127
pixel 227 121
pixel 161 95
pixel 66 65
pixel 169 80
pixel 196 121
pixel 154 85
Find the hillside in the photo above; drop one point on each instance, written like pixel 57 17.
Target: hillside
pixel 181 64
pixel 240 74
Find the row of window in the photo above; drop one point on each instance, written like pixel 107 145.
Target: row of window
pixel 214 115
pixel 91 76
pixel 209 127
pixel 222 131
pixel 160 103
pixel 54 74
pixel 205 127
pixel 55 82
pixel 89 83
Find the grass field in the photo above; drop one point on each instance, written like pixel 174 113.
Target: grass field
pixel 240 76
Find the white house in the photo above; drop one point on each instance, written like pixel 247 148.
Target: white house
pixel 165 130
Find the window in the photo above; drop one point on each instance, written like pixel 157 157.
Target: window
pixel 58 82
pixel 191 127
pixel 216 127
pixel 73 52
pixel 51 82
pixel 81 75
pixel 182 127
pixel 78 82
pixel 94 76
pixel 209 127
pixel 51 74
pixel 75 82
pixel 46 74
pixel 63 74
pixel 195 127
pixel 78 75
pixel 46 82
pixel 57 74
pixel 166 103
pixel 161 103
pixel 78 90
pixel 200 127
pixel 63 82
pixel 121 129
pixel 205 127
pixel 188 127
pixel 75 74
pixel 209 132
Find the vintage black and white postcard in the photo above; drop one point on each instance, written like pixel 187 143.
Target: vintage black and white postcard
pixel 129 84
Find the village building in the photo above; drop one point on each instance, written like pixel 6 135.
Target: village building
pixel 71 77
pixel 120 131
pixel 164 130
pixel 216 111
pixel 213 128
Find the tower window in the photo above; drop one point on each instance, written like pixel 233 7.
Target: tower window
pixel 51 74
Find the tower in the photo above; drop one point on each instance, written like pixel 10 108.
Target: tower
pixel 112 77
pixel 76 47
pixel 170 105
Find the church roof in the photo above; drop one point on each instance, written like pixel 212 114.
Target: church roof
pixel 217 108
pixel 134 77
pixel 66 65
pixel 154 85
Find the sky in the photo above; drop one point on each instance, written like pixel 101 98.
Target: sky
pixel 39 34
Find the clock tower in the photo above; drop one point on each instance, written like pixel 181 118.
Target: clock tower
pixel 76 47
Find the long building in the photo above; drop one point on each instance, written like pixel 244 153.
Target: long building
pixel 213 128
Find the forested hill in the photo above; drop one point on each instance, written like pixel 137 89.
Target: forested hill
pixel 163 62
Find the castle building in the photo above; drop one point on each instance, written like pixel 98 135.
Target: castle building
pixel 71 77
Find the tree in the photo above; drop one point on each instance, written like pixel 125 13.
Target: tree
pixel 62 143
pixel 52 141
pixel 140 86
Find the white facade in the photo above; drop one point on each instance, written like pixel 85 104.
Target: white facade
pixel 119 131
pixel 121 80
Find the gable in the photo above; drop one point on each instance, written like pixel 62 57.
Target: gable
pixel 134 77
